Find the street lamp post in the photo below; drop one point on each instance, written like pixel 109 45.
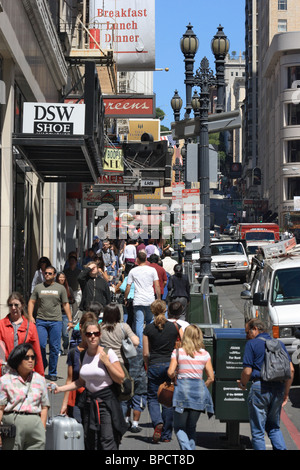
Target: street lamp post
pixel 204 79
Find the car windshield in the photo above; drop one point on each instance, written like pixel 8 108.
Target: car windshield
pixel 262 236
pixel 226 249
pixel 286 286
pixel 252 249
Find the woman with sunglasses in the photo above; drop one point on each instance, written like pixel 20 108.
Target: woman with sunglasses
pixel 16 329
pixel 103 419
pixel 24 401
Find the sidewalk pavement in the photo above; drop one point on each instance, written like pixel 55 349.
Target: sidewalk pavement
pixel 211 433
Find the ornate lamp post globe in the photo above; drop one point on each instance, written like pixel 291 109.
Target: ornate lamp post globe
pixel 220 47
pixel 220 43
pixel 176 104
pixel 196 104
pixel 189 43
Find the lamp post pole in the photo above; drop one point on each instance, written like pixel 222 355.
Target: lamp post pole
pixel 204 79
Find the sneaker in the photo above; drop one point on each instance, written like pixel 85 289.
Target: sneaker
pixel 135 429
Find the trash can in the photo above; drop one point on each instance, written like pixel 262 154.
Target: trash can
pixel 195 312
pixel 229 400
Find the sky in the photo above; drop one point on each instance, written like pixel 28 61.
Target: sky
pixel 171 20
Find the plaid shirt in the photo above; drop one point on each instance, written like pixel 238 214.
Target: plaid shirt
pixel 20 396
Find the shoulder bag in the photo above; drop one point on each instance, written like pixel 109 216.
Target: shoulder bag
pixel 128 348
pixel 166 390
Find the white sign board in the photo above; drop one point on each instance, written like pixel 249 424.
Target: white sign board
pixel 127 27
pixel 54 119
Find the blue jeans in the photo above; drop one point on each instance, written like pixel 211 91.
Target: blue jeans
pixel 185 428
pixel 264 404
pixel 51 330
pixel 142 313
pixel 65 332
pixel 157 374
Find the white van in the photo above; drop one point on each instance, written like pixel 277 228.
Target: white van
pixel 274 297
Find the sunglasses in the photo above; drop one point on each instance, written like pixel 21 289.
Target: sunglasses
pixel 89 334
pixel 29 356
pixel 48 273
pixel 15 305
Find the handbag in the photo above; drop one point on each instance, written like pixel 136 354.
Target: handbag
pixel 165 391
pixel 7 430
pixel 128 348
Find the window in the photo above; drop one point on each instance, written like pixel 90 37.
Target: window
pixel 293 115
pixel 293 187
pixel 282 4
pixel 282 26
pixel 293 151
pixel 293 76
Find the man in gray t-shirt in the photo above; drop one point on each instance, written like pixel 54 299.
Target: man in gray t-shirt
pixel 51 297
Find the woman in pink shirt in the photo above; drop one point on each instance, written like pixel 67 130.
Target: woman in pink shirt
pixel 103 419
pixel 191 395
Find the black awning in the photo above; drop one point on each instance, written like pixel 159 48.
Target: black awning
pixel 60 158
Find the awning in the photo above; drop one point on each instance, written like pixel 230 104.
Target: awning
pixel 61 158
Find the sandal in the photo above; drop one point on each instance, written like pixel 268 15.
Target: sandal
pixel 157 433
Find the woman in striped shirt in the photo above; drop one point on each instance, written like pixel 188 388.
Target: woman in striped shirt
pixel 191 395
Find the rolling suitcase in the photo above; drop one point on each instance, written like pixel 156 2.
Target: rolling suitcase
pixel 63 432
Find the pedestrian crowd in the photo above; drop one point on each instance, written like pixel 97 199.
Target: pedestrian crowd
pixel 120 318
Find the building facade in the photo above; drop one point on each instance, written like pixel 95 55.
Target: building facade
pixel 271 132
pixel 40 190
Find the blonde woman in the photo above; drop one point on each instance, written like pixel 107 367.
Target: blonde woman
pixel 191 395
pixel 158 343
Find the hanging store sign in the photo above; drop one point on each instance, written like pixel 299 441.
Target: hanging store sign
pixel 113 160
pixel 129 106
pixel 54 119
pixel 127 27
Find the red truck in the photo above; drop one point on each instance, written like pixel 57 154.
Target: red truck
pixel 258 232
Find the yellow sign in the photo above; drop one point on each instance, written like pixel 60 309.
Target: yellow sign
pixel 137 127
pixel 113 161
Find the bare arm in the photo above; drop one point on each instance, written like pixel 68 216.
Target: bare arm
pixel 30 309
pixel 114 368
pixel 288 384
pixel 245 377
pixel 146 350
pixel 209 372
pixel 157 289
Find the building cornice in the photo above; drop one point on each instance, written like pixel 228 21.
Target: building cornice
pixel 281 44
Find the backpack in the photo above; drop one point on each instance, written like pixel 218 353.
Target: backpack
pixel 276 365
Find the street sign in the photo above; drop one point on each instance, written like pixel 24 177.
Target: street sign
pixel 150 183
pixel 216 123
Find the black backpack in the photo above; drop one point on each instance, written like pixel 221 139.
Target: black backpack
pixel 276 365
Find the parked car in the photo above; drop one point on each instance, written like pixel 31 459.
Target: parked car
pixel 226 229
pixel 229 260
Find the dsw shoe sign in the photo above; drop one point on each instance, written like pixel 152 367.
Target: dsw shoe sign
pixel 54 118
